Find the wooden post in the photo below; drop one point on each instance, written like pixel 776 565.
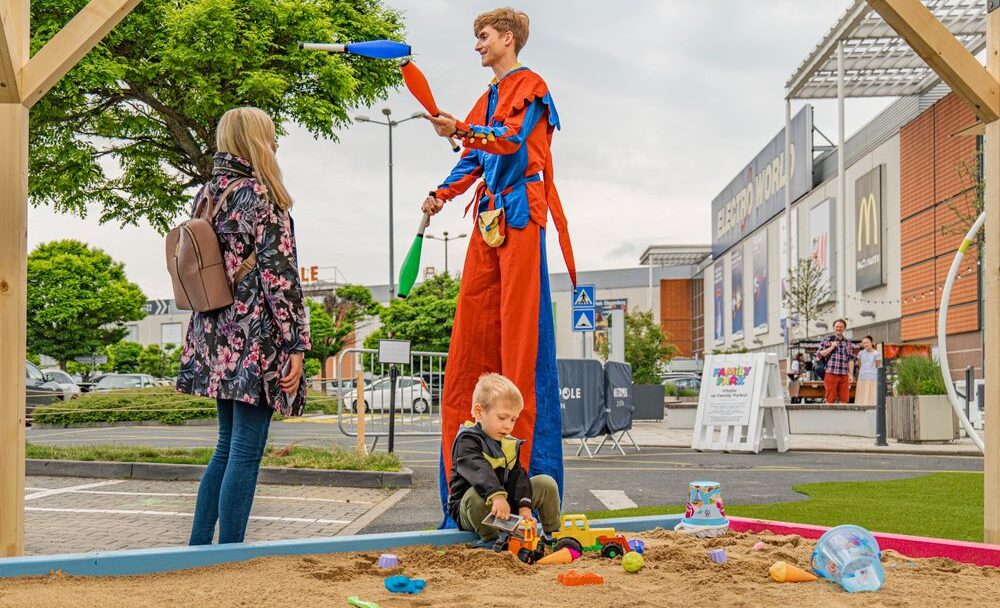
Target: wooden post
pixel 991 283
pixel 360 411
pixel 22 83
pixel 13 276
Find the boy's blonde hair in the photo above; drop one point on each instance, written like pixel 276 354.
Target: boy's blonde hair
pixel 505 20
pixel 493 389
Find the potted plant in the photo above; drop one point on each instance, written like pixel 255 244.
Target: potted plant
pixel 920 410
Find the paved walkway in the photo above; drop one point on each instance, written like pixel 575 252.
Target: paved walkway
pixel 659 434
pixel 73 515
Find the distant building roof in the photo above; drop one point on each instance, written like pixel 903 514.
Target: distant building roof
pixel 675 255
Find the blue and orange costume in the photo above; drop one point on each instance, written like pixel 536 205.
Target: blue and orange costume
pixel 504 320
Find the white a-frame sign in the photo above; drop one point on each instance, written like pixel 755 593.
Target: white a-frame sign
pixel 742 405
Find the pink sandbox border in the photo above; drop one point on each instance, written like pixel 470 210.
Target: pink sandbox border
pixel 911 546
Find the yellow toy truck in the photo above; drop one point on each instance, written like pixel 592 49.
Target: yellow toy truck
pixel 575 533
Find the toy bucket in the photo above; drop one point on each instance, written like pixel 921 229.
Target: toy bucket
pixel 850 556
pixel 704 505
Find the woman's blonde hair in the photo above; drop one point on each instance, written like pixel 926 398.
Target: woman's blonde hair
pixel 249 133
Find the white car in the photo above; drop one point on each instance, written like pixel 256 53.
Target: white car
pixel 412 395
pixel 64 381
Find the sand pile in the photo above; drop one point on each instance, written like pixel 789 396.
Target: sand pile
pixel 678 572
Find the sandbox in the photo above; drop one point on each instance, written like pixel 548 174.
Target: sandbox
pixel 678 572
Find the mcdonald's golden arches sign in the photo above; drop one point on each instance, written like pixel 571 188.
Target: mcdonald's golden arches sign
pixel 869 234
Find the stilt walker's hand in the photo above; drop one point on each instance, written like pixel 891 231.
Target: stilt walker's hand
pixel 444 123
pixel 432 205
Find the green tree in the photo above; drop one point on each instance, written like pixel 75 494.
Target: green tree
pixel 149 96
pixel 425 317
pixel 808 292
pixel 347 308
pixel 78 300
pixel 160 362
pixel 124 356
pixel 646 347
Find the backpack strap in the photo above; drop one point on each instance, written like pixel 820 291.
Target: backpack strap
pixel 236 183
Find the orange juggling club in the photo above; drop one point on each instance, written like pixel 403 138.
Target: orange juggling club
pixel 417 83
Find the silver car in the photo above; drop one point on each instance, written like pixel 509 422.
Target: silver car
pixel 412 395
pixel 64 381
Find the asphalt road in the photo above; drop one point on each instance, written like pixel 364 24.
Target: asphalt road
pixel 653 476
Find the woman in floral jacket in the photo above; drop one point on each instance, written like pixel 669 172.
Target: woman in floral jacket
pixel 237 354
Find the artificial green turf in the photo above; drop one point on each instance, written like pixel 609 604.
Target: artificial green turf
pixel 940 505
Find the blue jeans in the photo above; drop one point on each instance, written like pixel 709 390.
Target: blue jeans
pixel 230 480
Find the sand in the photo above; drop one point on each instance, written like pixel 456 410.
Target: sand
pixel 677 573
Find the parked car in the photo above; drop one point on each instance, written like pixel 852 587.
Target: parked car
pixel 64 381
pixel 412 395
pixel 86 385
pixel 435 382
pixel 37 390
pixel 683 380
pixel 112 382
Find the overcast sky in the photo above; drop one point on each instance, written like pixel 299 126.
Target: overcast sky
pixel 662 102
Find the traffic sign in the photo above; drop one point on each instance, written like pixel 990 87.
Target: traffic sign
pixel 583 320
pixel 583 297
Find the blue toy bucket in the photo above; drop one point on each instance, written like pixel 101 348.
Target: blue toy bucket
pixel 704 505
pixel 849 556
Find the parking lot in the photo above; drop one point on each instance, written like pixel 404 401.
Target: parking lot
pixel 73 515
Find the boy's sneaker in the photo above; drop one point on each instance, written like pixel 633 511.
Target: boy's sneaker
pixel 494 544
pixel 549 540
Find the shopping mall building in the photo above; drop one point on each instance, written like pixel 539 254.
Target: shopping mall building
pixel 885 235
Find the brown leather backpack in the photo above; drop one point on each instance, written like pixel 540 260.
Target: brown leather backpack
pixel 194 259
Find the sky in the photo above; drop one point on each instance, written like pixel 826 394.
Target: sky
pixel 662 103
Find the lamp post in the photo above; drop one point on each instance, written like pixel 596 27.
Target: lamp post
pixel 445 238
pixel 389 122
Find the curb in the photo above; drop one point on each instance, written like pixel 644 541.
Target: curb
pixel 872 450
pixel 193 472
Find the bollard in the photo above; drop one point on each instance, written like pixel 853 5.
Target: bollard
pixel 360 413
pixel 393 374
pixel 970 387
pixel 880 438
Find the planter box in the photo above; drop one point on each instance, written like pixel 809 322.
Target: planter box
pixel 681 415
pixel 648 402
pixel 916 418
pixel 854 420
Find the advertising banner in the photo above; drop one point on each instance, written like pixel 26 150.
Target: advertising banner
pixel 736 292
pixel 757 193
pixel 783 254
pixel 821 241
pixel 870 241
pixel 759 257
pixel 719 307
pixel 581 397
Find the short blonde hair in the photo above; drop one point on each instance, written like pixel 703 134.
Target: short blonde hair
pixel 505 20
pixel 493 389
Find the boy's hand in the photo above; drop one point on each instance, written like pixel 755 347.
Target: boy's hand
pixel 500 510
pixel 525 514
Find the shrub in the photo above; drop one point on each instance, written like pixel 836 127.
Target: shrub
pixel 159 404
pixel 919 376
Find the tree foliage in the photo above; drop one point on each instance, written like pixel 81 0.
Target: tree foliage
pixel 808 292
pixel 124 357
pixel 133 124
pixel 345 309
pixel 425 317
pixel 646 347
pixel 78 300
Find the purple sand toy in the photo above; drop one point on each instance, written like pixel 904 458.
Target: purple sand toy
pixel 637 545
pixel 404 584
pixel 759 546
pixel 388 560
pixel 718 556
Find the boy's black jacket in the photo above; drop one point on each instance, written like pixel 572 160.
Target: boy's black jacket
pixel 473 456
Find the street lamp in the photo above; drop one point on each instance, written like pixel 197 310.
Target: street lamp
pixel 445 238
pixel 389 122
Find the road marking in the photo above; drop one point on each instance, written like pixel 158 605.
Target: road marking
pixel 192 495
pixel 301 520
pixel 85 486
pixel 373 514
pixel 614 499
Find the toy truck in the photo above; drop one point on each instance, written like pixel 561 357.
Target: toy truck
pixel 525 544
pixel 575 533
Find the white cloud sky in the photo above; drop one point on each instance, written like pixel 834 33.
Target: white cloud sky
pixel 662 103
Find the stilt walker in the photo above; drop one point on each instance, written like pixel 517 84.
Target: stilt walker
pixel 504 319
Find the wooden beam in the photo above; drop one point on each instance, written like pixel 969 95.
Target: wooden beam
pixel 991 283
pixel 13 290
pixel 944 53
pixel 73 41
pixel 10 61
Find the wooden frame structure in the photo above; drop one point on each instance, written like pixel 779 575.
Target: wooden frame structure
pixel 980 88
pixel 23 81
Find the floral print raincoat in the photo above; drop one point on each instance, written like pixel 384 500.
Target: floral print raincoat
pixel 238 352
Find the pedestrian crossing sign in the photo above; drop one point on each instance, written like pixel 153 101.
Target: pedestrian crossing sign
pixel 583 297
pixel 583 320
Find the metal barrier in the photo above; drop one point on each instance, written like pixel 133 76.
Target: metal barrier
pixel 419 386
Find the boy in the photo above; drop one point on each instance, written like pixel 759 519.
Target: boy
pixel 505 297
pixel 486 475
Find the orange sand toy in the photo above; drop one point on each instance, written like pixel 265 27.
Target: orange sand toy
pixel 784 572
pixel 573 578
pixel 562 556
